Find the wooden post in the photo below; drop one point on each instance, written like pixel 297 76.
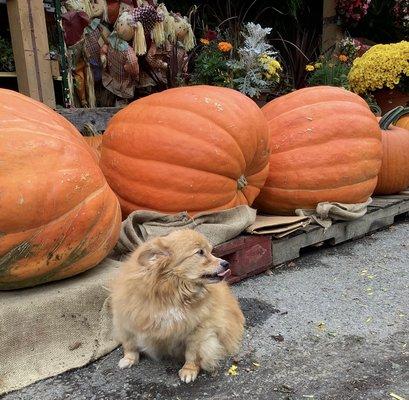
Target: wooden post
pixel 30 48
pixel 331 32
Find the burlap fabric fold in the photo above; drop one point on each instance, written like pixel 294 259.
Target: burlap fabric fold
pixel 55 327
pixel 217 227
pixel 327 212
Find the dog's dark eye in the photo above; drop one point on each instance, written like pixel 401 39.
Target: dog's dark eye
pixel 200 252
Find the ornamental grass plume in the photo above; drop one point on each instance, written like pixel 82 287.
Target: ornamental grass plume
pixel 383 65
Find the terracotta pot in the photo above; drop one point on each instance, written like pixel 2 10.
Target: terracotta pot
pixel 388 99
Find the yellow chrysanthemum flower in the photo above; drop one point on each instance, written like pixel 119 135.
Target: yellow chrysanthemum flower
pixel 271 66
pixel 309 68
pixel 343 58
pixel 381 66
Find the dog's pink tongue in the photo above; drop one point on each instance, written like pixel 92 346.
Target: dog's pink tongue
pixel 224 274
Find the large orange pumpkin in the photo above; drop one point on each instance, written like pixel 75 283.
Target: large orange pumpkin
pixel 401 117
pixel 394 174
pixel 326 146
pixel 58 216
pixel 196 148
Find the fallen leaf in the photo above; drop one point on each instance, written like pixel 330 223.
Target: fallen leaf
pixel 256 364
pixel 269 272
pixel 232 370
pixel 291 264
pixel 321 326
pixel 284 389
pixel 395 396
pixel 369 319
pixel 333 334
pixel 278 338
pixel 308 396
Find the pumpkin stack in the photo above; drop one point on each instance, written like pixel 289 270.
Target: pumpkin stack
pixel 326 146
pixel 58 216
pixel 194 149
pixel 394 174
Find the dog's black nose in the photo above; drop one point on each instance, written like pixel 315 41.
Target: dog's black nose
pixel 224 264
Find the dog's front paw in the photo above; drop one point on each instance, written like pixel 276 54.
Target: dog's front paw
pixel 126 362
pixel 188 373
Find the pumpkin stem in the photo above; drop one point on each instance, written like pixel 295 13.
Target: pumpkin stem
pixel 241 182
pixel 90 130
pixel 392 116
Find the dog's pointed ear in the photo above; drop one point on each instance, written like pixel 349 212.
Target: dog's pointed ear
pixel 154 252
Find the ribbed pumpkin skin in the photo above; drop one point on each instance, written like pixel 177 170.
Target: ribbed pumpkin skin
pixel 403 122
pixel 326 146
pixel 58 216
pixel 186 149
pixel 394 174
pixel 95 143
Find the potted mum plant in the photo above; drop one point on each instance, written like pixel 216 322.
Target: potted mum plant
pixel 211 64
pixel 253 68
pixel 256 69
pixel 384 72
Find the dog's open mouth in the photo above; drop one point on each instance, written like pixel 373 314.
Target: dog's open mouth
pixel 218 276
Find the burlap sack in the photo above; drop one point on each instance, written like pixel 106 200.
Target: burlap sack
pixel 327 212
pixel 277 226
pixel 55 327
pixel 218 227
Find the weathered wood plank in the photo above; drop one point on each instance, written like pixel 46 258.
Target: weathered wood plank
pixel 383 202
pixel 287 249
pixel 30 48
pixel 247 255
pixel 98 117
pixel 331 31
pixel 400 196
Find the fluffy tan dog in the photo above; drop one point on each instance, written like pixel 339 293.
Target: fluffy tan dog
pixel 169 300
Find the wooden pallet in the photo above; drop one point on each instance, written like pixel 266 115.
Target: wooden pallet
pixel 250 255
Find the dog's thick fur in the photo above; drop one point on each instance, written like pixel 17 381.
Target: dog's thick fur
pixel 168 300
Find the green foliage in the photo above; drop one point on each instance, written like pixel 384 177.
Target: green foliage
pixel 6 56
pixel 211 67
pixel 330 72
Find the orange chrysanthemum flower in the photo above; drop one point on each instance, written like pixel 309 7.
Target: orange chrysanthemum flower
pixel 225 46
